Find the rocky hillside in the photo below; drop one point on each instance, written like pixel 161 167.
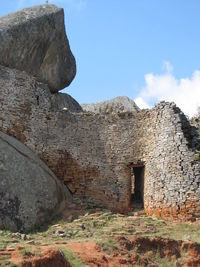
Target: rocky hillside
pixel 117 105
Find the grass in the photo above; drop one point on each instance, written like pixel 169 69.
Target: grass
pixel 3 243
pixel 108 245
pixel 26 252
pixel 153 258
pixel 163 262
pixel 184 231
pixel 5 260
pixel 72 258
pixel 12 264
pixel 101 227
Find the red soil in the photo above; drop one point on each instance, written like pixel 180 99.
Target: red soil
pixel 138 252
pixel 48 258
pixel 131 251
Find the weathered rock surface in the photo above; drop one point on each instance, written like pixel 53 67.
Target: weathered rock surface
pixel 34 40
pixel 30 194
pixel 33 93
pixel 61 101
pixel 117 104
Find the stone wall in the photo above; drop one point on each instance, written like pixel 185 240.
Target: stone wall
pixel 93 153
pixel 172 174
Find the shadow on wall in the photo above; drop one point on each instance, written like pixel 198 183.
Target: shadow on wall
pixel 137 185
pixel 190 132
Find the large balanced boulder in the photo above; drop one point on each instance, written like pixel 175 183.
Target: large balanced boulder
pixel 34 40
pixel 30 194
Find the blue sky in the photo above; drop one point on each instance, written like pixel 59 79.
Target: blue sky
pixel 145 49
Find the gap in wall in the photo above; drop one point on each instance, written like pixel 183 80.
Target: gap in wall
pixel 137 187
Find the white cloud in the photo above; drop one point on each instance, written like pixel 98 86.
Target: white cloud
pixel 141 103
pixel 185 92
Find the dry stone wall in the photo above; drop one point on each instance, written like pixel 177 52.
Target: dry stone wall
pixel 93 153
pixel 172 174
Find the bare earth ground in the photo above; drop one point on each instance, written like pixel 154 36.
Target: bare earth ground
pixel 103 238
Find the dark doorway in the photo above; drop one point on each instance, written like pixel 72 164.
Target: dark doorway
pixel 137 187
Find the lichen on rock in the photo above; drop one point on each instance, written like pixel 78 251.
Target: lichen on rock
pixel 34 40
pixel 30 194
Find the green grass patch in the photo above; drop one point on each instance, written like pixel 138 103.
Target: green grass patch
pixel 180 231
pixel 108 245
pixel 72 258
pixel 11 264
pixel 26 252
pixel 5 260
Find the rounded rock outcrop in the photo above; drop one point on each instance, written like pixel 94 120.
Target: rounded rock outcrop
pixel 62 101
pixel 34 40
pixel 30 194
pixel 117 105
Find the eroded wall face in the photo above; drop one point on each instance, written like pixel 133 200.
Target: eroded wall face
pixel 92 154
pixel 172 174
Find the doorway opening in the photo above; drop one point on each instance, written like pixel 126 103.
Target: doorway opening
pixel 137 187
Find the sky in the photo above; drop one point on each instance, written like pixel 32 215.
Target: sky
pixel 148 50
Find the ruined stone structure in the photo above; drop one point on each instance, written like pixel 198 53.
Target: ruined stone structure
pixel 95 154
